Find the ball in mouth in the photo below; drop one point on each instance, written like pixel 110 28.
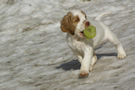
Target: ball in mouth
pixel 87 24
pixel 90 32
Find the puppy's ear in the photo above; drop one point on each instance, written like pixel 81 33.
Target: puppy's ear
pixel 66 23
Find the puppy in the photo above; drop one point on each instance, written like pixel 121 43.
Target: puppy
pixel 74 24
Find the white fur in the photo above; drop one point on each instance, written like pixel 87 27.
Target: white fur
pixel 80 26
pixel 83 48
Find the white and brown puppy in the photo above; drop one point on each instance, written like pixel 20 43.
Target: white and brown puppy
pixel 74 23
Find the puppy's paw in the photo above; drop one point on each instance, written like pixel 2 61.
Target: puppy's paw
pixel 121 55
pixel 83 73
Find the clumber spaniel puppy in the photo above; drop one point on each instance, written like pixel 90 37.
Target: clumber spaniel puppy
pixel 73 24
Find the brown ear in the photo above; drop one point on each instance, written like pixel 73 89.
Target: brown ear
pixel 66 23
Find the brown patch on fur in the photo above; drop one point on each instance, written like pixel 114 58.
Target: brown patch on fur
pixel 69 23
pixel 94 55
pixel 84 14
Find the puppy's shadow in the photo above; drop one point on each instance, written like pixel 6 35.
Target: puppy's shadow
pixel 72 65
pixel 75 64
pixel 107 55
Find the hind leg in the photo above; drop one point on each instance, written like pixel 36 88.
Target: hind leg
pixel 113 39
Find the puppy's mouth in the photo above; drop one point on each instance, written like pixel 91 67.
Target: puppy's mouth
pixel 87 23
pixel 82 34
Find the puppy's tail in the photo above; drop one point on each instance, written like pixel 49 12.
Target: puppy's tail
pixel 99 17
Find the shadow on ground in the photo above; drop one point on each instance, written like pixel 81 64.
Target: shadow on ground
pixel 71 65
pixel 75 65
pixel 106 55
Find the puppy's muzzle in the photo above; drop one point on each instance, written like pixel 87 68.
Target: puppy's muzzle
pixel 87 23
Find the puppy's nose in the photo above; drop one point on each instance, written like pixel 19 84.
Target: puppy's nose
pixel 87 23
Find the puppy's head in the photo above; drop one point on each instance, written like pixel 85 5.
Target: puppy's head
pixel 74 23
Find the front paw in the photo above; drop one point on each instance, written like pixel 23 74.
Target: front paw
pixel 83 73
pixel 121 55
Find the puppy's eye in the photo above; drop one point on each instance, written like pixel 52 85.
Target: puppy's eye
pixel 77 20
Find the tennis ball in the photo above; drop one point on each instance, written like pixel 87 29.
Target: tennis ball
pixel 90 32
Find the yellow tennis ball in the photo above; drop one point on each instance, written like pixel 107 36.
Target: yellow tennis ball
pixel 90 32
